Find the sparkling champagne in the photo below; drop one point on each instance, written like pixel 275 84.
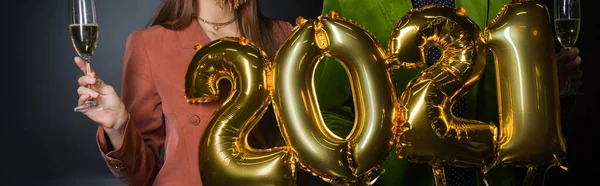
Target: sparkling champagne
pixel 567 31
pixel 84 38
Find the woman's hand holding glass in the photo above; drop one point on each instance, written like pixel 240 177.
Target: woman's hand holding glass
pixel 569 74
pixel 113 116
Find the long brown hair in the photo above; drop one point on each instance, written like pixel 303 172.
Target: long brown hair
pixel 179 14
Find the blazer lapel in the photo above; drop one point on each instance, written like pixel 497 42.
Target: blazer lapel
pixel 192 36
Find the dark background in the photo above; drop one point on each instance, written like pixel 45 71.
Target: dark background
pixel 45 143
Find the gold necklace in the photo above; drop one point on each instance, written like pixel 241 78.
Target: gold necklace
pixel 218 26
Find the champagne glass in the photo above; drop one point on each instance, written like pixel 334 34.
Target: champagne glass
pixel 83 26
pixel 567 18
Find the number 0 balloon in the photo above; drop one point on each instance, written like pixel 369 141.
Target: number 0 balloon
pixel 317 149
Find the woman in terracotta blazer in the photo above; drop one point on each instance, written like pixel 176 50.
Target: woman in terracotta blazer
pixel 152 113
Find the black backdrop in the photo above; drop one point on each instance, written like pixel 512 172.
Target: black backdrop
pixel 45 143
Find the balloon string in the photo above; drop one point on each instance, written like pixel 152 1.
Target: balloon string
pixel 483 178
pixel 439 176
pixel 545 172
pixel 530 177
pixel 548 168
pixel 572 107
pixel 377 177
pixel 484 171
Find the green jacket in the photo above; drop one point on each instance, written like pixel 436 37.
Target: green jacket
pixel 335 95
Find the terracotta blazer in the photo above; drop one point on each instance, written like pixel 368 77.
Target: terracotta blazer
pixel 155 62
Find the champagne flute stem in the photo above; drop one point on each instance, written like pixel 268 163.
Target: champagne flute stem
pixel 88 72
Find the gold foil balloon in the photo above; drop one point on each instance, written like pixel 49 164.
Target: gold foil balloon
pixel 225 158
pixel 526 71
pixel 429 132
pixel 348 160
